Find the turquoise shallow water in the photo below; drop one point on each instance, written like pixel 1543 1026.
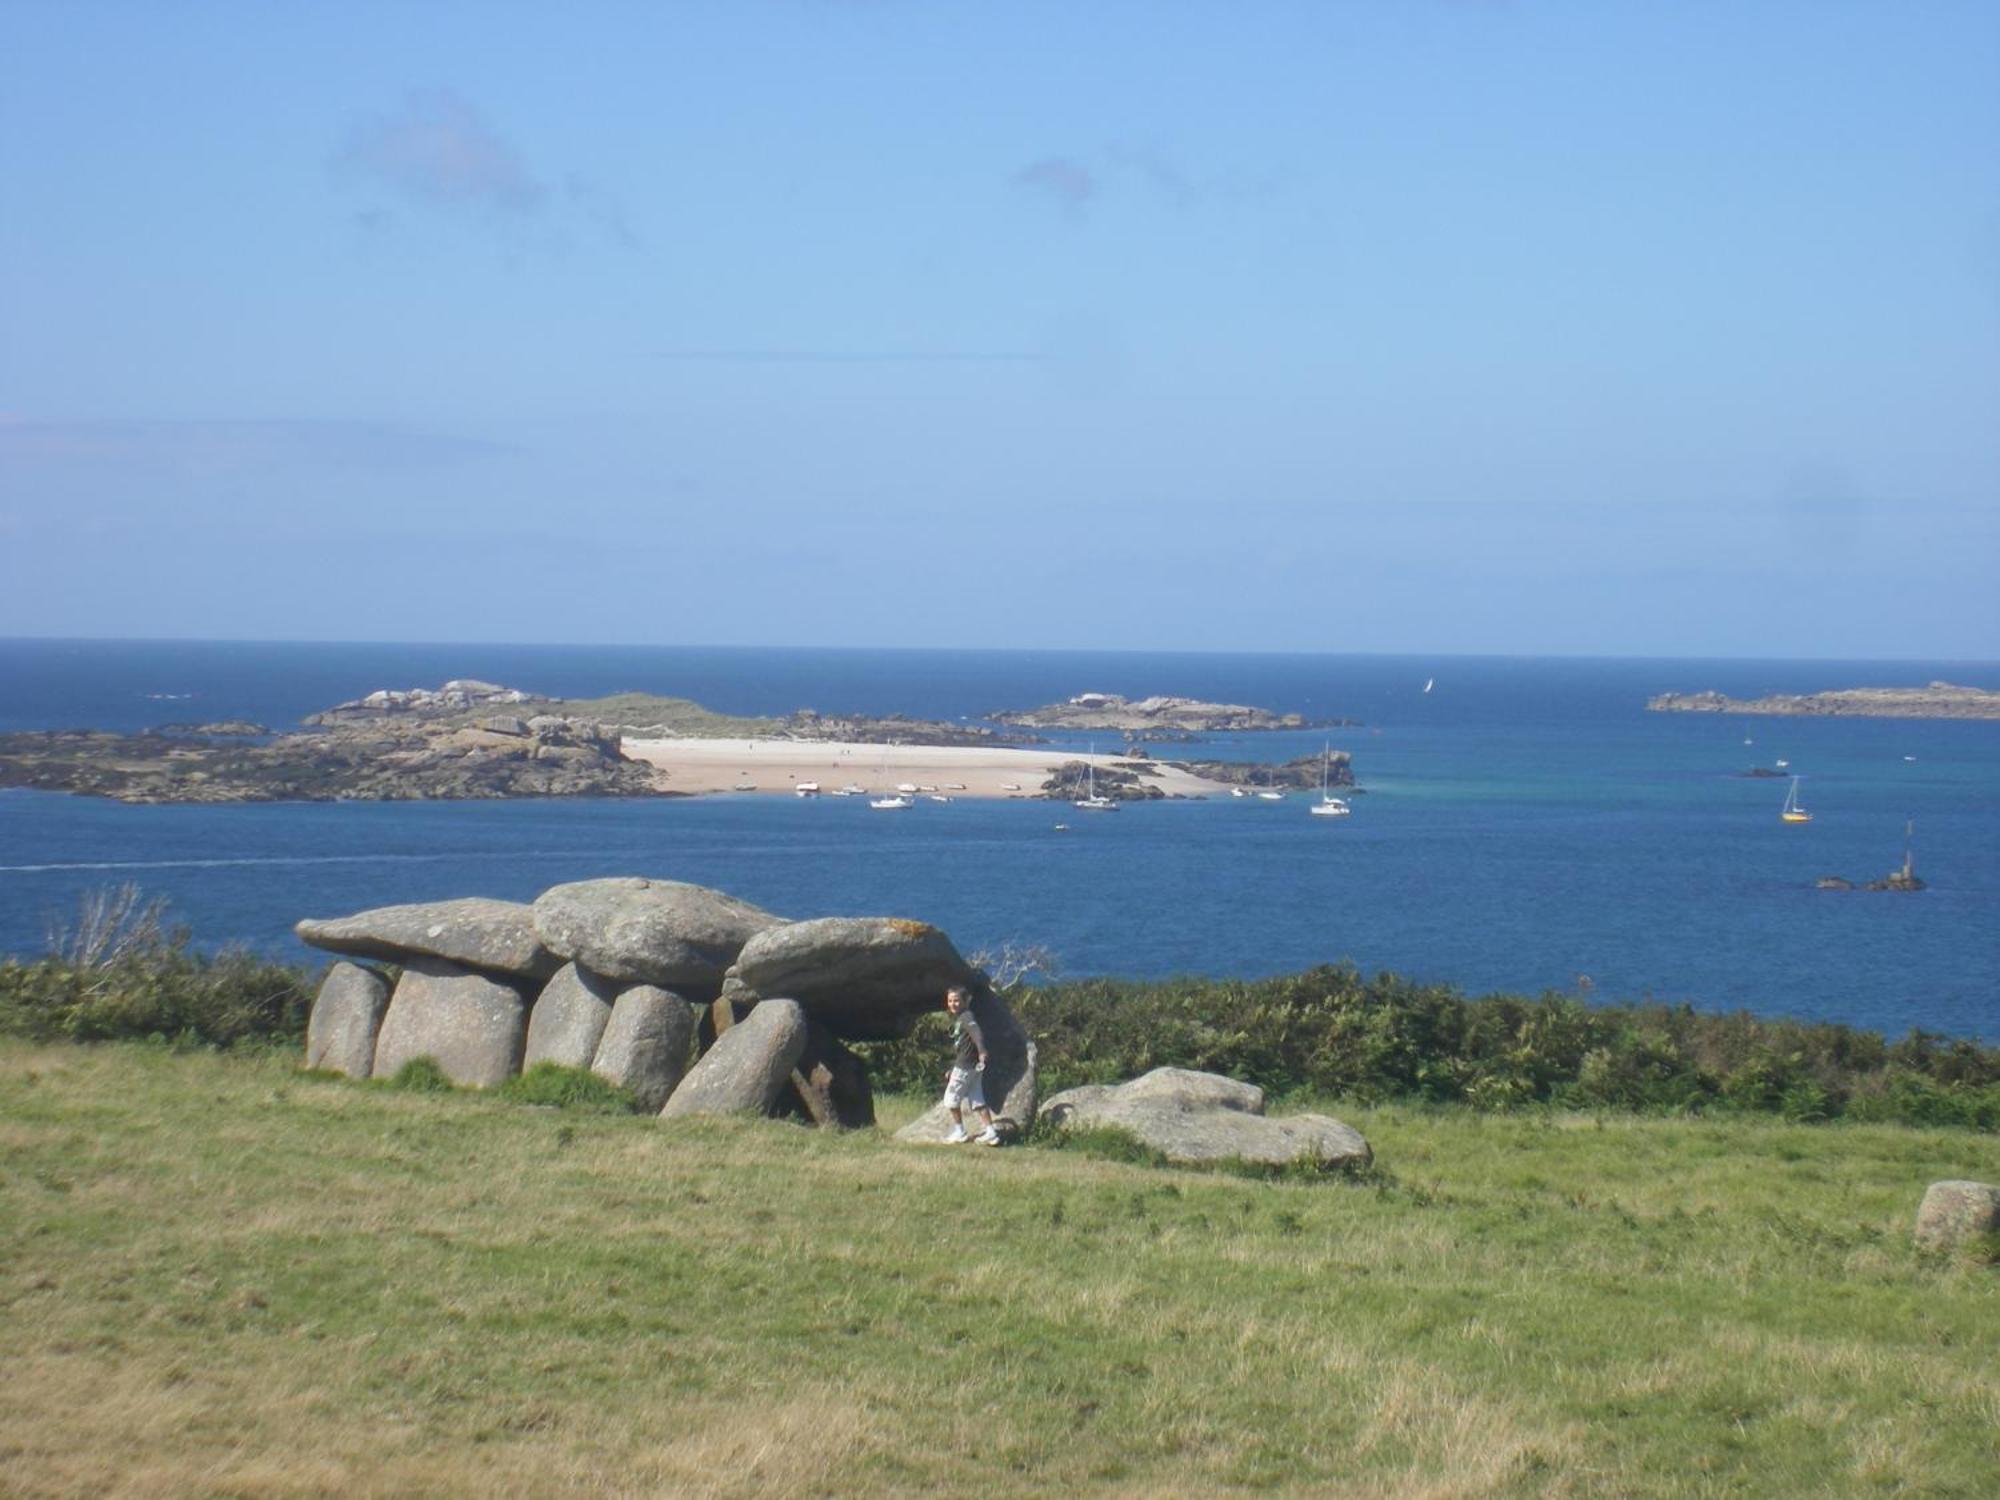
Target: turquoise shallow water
pixel 1527 825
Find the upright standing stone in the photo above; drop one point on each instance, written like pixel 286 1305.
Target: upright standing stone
pixel 747 1067
pixel 471 1026
pixel 569 1018
pixel 645 1046
pixel 346 1015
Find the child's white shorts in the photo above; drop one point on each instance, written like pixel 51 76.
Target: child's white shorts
pixel 965 1087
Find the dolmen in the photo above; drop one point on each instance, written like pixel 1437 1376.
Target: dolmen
pixel 694 1001
pixel 1197 1119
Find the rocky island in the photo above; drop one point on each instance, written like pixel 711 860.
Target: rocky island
pixel 471 739
pixel 1154 718
pixel 1940 700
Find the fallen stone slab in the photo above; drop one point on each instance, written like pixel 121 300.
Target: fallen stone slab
pixel 747 1067
pixel 645 1045
pixel 472 1026
pixel 1012 1081
pixel 346 1016
pixel 1953 1212
pixel 1201 1118
pixel 569 1018
pixel 668 933
pixel 496 937
pixel 830 1085
pixel 863 978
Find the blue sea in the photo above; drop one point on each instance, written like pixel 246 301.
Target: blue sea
pixel 1525 826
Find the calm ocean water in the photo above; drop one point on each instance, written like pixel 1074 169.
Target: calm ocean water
pixel 1525 826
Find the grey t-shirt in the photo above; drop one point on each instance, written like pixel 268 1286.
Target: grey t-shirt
pixel 967 1041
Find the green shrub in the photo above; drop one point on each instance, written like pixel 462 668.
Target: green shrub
pixel 420 1075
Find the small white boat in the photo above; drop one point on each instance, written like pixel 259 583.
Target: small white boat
pixel 807 789
pixel 1010 786
pixel 746 786
pixel 1270 794
pixel 1090 801
pixel 939 797
pixel 1328 806
pixel 1239 791
pixel 907 788
pixel 1062 828
pixel 1784 765
pixel 888 803
pixel 954 786
pixel 1429 683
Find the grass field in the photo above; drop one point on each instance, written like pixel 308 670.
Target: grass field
pixel 219 1277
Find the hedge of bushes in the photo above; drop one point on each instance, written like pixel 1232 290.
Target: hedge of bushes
pixel 1331 1031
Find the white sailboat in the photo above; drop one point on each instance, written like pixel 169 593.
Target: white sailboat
pixel 1090 801
pixel 1328 806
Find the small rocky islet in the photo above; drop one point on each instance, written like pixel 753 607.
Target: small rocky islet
pixel 1939 700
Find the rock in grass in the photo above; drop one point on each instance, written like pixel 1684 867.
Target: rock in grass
pixel 1184 1088
pixel 569 1018
pixel 644 1048
pixel 663 932
pixel 747 1067
pixel 863 978
pixel 1012 1082
pixel 496 937
pixel 471 1026
pixel 346 1015
pixel 1953 1212
pixel 1203 1118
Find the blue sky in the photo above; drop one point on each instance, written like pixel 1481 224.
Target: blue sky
pixel 1388 325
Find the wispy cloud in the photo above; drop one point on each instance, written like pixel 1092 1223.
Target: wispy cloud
pixel 439 149
pixel 439 152
pixel 1075 182
pixel 185 448
pixel 1061 179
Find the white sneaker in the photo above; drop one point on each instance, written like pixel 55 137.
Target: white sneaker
pixel 989 1137
pixel 958 1137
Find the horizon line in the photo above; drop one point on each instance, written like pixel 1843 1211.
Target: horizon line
pixel 1440 655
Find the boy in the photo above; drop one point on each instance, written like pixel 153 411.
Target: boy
pixel 966 1083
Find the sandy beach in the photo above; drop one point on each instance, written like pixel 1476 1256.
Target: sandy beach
pixel 776 767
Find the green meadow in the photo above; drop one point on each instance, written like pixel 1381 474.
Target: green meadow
pixel 219 1276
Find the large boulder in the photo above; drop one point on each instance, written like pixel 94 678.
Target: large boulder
pixel 471 1026
pixel 569 1018
pixel 496 937
pixel 346 1015
pixel 1198 1118
pixel 747 1067
pixel 1953 1212
pixel 645 1046
pixel 863 978
pixel 1012 1082
pixel 662 932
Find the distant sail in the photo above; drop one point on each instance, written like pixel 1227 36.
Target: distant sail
pixel 1429 683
